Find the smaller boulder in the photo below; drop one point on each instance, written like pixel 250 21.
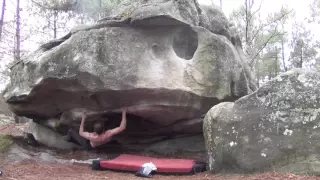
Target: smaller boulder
pixel 49 137
pixel 275 128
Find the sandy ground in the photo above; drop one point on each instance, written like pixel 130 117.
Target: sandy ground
pixel 34 170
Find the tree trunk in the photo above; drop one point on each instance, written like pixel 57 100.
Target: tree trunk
pixel 276 64
pixel 282 54
pixel 301 57
pixel 258 75
pixel 270 75
pixel 17 46
pixel 247 23
pixel 55 19
pixel 100 8
pixel 2 16
pixel 248 19
pixel 81 19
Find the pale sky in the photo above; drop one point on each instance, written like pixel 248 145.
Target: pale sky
pixel 269 6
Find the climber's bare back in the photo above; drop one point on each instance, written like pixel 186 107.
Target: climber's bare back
pixel 99 139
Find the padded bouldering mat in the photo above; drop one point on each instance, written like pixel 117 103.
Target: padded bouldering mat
pixel 133 163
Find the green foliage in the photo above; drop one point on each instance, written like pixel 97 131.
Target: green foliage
pixel 58 14
pixel 269 65
pixel 94 8
pixel 315 11
pixel 304 48
pixel 55 5
pixel 5 143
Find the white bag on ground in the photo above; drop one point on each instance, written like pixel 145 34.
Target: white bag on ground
pixel 146 170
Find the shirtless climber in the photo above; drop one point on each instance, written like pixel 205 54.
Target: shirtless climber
pixel 97 138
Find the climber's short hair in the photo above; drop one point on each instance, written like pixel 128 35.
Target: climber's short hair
pixel 98 127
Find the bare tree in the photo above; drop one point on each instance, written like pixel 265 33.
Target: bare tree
pixel 248 4
pixel 17 36
pixel 283 55
pixel 252 29
pixel 55 20
pixel 56 14
pixel 2 16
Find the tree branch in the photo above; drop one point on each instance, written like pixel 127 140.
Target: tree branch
pixel 247 19
pixel 264 45
pixel 265 25
pixel 40 5
pixel 60 7
pixel 257 9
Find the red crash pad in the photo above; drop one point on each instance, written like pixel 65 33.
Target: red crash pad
pixel 126 162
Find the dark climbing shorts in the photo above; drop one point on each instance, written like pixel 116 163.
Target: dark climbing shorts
pixel 83 142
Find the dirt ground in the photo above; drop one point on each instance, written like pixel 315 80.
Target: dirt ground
pixel 29 170
pixel 34 170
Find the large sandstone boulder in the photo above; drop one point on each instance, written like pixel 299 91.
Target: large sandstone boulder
pixel 4 109
pixel 159 12
pixel 275 128
pixel 6 116
pixel 167 61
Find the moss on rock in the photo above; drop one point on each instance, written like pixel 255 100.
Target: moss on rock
pixel 5 142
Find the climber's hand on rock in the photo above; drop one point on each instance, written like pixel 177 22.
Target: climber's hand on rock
pixel 84 113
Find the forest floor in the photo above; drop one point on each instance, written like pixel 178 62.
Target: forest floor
pixel 31 169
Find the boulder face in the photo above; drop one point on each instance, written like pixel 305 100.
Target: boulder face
pixel 4 109
pixel 48 137
pixel 159 12
pixel 275 128
pixel 165 61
